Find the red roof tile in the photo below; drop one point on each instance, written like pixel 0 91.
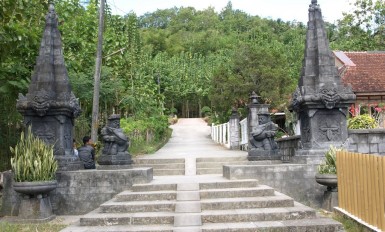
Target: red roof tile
pixel 368 74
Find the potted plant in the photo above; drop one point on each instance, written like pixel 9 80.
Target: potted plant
pixel 327 171
pixel 34 171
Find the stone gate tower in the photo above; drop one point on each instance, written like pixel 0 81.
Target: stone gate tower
pixel 321 101
pixel 50 106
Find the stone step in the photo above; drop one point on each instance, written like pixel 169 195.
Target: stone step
pixel 222 216
pixel 219 163
pixel 262 214
pixel 244 183
pixel 247 203
pixel 208 171
pixel 318 224
pixel 237 192
pixel 146 196
pixel 137 206
pixel 147 218
pixel 153 187
pixel 168 172
pixel 258 191
pixel 221 159
pixel 162 166
pixel 158 161
pixel 278 200
pixel 121 228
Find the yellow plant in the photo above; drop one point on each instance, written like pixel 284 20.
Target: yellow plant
pixel 33 159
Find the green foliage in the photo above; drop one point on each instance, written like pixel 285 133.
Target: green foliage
pixel 43 227
pixel 329 166
pixel 145 131
pixel 206 111
pixel 33 159
pixel 361 29
pixel 363 121
pixel 350 225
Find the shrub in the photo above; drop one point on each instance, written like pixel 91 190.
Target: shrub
pixel 329 166
pixel 33 159
pixel 363 121
pixel 145 130
pixel 206 111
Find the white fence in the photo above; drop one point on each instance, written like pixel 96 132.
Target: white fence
pixel 221 134
pixel 244 134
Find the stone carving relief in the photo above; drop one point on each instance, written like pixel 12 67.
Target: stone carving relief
pixel 329 130
pixel 329 96
pixel 41 102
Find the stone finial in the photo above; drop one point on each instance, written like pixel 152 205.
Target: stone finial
pixel 50 88
pixel 254 98
pixel 319 81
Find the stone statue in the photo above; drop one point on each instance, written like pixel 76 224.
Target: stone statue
pixel 115 141
pixel 263 135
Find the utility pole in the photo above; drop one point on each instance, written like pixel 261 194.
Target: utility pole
pixel 98 67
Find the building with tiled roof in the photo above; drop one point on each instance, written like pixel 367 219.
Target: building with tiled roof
pixel 365 72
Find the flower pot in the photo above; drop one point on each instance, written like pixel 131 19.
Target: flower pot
pixel 35 205
pixel 329 180
pixel 35 188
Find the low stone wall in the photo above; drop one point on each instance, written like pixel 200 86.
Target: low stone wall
pixel 80 191
pixel 294 180
pixel 367 141
pixel 288 146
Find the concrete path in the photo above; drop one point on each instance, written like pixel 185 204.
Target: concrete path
pixel 191 138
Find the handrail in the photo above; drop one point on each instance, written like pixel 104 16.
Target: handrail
pixel 221 134
pixel 244 134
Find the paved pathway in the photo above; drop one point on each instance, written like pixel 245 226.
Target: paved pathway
pixel 191 138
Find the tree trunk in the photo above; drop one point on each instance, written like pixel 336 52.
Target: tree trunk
pixel 200 107
pixel 98 68
pixel 187 110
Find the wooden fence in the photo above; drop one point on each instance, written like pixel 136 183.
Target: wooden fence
pixel 361 187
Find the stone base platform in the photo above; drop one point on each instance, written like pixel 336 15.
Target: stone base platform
pixel 81 191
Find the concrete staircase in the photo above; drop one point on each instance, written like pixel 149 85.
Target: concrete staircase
pixel 162 167
pixel 214 165
pixel 209 204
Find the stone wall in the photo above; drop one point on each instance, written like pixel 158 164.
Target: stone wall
pixel 80 191
pixel 294 180
pixel 288 146
pixel 367 141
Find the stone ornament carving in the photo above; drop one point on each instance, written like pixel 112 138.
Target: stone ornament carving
pixel 296 98
pixel 114 140
pixel 263 135
pixel 329 96
pixel 329 131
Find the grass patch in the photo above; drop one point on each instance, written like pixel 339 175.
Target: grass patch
pixel 45 227
pixel 350 225
pixel 150 148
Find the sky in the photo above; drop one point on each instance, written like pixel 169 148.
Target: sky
pixel 287 10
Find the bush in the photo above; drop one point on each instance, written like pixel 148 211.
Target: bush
pixel 363 121
pixel 143 132
pixel 329 166
pixel 33 159
pixel 206 111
